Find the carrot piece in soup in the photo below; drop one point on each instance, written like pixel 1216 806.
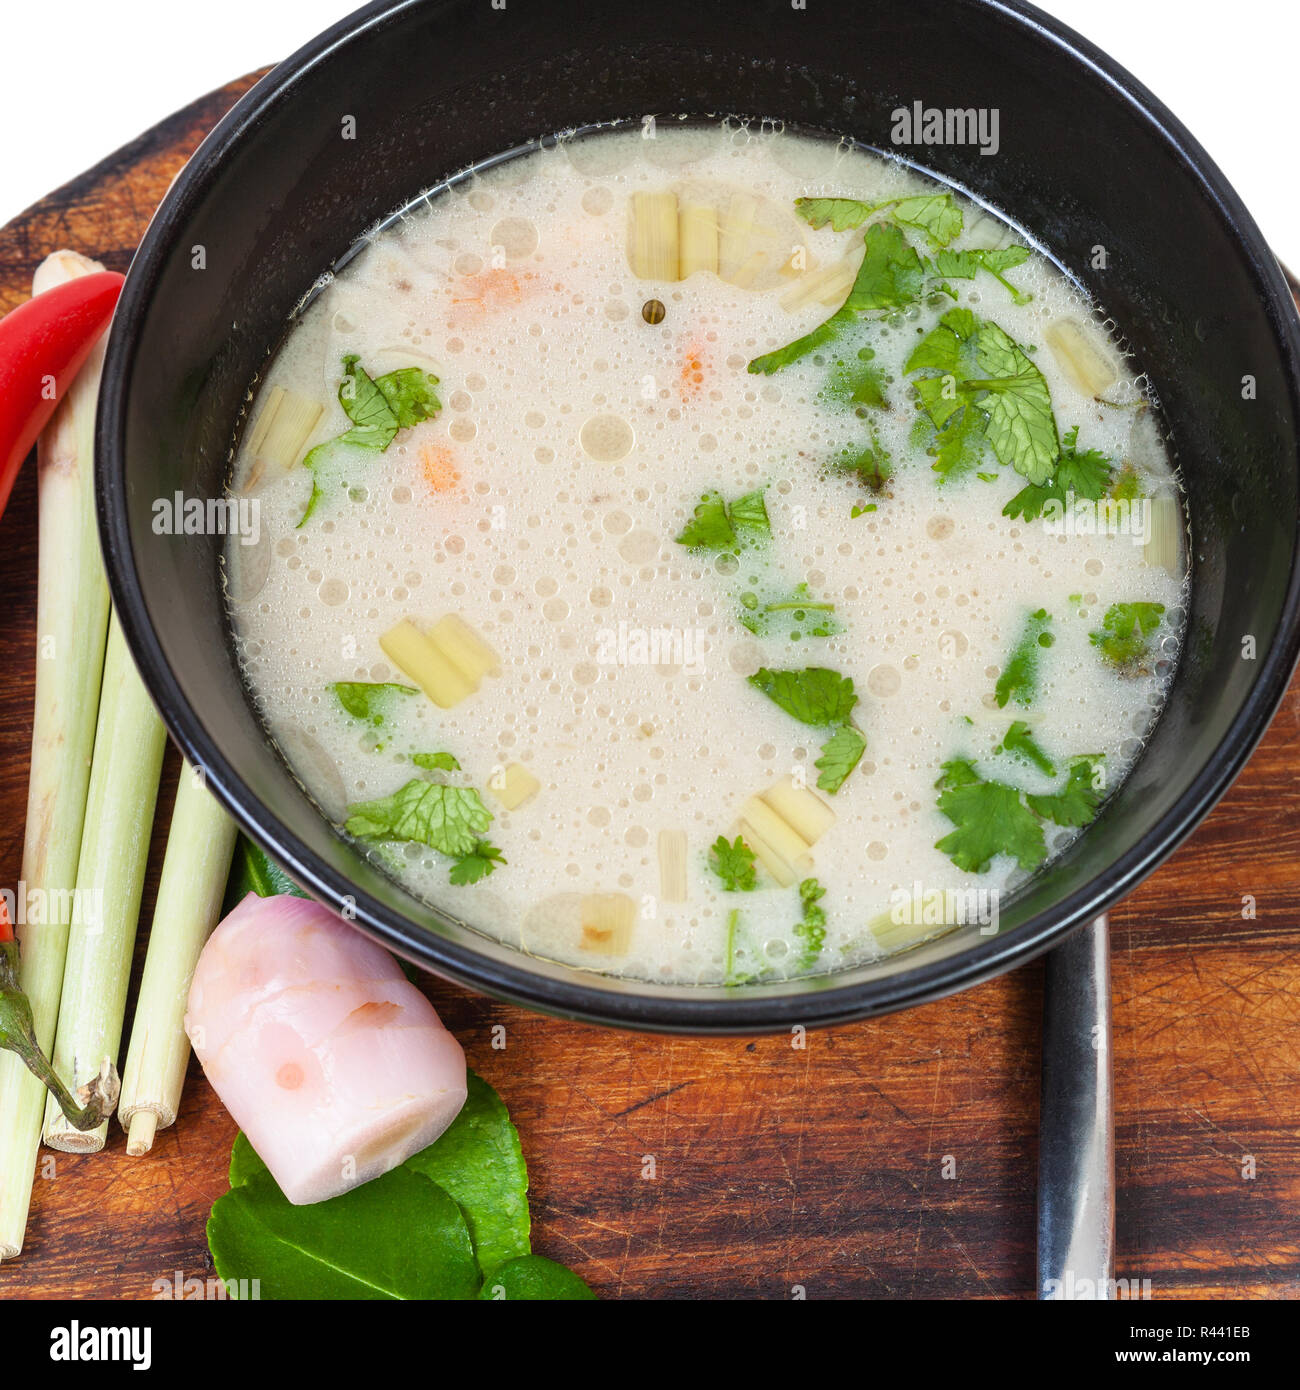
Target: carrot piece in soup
pixel 438 463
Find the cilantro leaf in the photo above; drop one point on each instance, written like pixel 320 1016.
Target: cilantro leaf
pixel 1076 803
pixel 373 422
pixel 811 928
pixel 1084 472
pixel 435 762
pixel 733 864
pixel 717 526
pixel 1021 426
pixel 749 513
pixel 891 273
pixel 1007 390
pixel 814 695
pixel 409 395
pixel 935 214
pixel 824 333
pixel 448 819
pixel 990 819
pixel 965 265
pixel 842 213
pixel 709 528
pixel 1126 631
pixel 378 408
pixel 940 349
pixel 841 753
pixel 1020 741
pixel 478 863
pixel 1019 678
pixel 369 700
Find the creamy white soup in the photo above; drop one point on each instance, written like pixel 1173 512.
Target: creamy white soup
pixel 706 554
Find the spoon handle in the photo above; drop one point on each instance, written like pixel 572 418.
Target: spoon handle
pixel 1076 1143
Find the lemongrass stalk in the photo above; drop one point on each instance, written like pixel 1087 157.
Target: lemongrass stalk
pixel 71 621
pixel 124 773
pixel 200 845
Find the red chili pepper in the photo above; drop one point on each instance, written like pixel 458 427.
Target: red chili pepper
pixel 43 344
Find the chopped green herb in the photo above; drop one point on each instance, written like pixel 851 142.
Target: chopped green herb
pixel 871 466
pixel 1020 741
pixel 378 407
pixel 1076 803
pixel 733 864
pixel 936 214
pixel 841 753
pixel 1126 632
pixel 1084 472
pixel 717 526
pixel 797 607
pixel 1128 486
pixel 369 700
pixel 990 818
pixel 993 818
pixel 814 695
pixel 858 509
pixel 965 265
pixel 435 762
pixel 1019 678
pixel 811 928
pixel 984 384
pixel 448 819
pixel 477 864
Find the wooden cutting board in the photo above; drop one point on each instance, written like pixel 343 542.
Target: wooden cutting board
pixel 888 1159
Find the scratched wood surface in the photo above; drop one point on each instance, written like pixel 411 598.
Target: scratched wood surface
pixel 669 1167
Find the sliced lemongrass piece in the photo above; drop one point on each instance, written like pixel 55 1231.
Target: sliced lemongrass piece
pixel 427 665
pixel 672 866
pixel 777 831
pixel 71 623
pixel 464 648
pixel 280 433
pixel 513 786
pixel 652 236
pixel 697 240
pixel 1163 546
pixel 766 855
pixel 607 922
pixel 200 844
pixel 1080 358
pixel 829 284
pixel 892 936
pixel 120 801
pixel 801 809
pixel 736 235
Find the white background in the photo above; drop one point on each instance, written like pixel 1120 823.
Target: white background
pixel 82 78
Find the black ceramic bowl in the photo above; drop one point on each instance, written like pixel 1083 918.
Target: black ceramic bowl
pixel 1087 158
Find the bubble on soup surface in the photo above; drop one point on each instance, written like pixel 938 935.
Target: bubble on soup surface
pixel 597 201
pixel 247 573
pixel 606 438
pixel 884 681
pixel 516 236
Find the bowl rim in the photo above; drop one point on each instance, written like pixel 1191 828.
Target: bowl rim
pixel 629 1003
